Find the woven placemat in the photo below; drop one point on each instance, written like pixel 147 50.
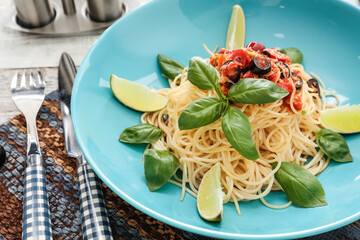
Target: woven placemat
pixel 126 221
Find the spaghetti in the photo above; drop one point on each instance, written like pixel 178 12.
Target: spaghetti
pixel 280 131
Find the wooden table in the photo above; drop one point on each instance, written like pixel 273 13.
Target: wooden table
pixel 7 107
pixel 21 50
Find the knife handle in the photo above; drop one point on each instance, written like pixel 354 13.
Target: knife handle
pixel 95 223
pixel 36 215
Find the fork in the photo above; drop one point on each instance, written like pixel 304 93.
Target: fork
pixel 36 216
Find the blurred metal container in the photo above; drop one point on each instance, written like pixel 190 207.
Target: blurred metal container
pixel 34 13
pixel 69 7
pixel 65 17
pixel 104 10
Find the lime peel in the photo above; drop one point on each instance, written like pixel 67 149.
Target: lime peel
pixel 344 119
pixel 235 37
pixel 136 96
pixel 210 195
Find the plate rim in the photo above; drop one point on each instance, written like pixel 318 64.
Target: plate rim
pixel 168 220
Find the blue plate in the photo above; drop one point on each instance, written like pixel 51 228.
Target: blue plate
pixel 327 32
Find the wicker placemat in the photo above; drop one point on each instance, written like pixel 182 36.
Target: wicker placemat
pixel 126 221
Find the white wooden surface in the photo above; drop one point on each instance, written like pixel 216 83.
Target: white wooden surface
pixel 19 50
pixel 7 107
pixel 22 50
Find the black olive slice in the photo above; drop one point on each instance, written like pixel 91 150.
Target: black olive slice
pixel 285 70
pixel 233 70
pixel 236 76
pixel 227 62
pixel 260 65
pixel 297 80
pixel 314 84
pixel 266 53
pixel 298 85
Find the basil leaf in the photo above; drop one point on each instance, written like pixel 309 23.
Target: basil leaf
pixel 202 74
pixel 237 130
pixel 201 112
pixel 218 90
pixel 143 133
pixel 169 67
pixel 300 186
pixel 256 91
pixel 333 145
pixel 294 54
pixel 159 166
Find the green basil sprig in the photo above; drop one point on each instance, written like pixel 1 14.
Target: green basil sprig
pixel 300 186
pixel 201 112
pixel 143 133
pixel 159 166
pixel 218 90
pixel 202 74
pixel 294 54
pixel 169 67
pixel 235 124
pixel 256 91
pixel 333 145
pixel 237 131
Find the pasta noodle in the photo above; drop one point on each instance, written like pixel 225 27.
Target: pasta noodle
pixel 280 133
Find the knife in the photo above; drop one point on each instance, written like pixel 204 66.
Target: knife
pixel 95 223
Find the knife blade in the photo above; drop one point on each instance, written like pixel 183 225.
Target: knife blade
pixel 67 73
pixel 95 223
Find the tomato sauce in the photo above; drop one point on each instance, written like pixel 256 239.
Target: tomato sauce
pixel 234 65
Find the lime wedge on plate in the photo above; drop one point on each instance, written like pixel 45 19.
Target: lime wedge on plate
pixel 235 37
pixel 210 196
pixel 344 119
pixel 136 96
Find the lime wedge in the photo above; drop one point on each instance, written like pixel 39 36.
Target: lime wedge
pixel 210 195
pixel 136 96
pixel 235 37
pixel 344 119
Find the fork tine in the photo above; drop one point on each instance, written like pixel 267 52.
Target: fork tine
pixel 40 78
pixel 32 82
pixel 23 80
pixel 14 81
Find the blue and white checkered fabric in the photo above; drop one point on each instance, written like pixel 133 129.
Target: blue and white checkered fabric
pixel 36 216
pixel 95 222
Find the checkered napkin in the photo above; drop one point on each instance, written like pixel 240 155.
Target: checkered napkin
pixel 126 222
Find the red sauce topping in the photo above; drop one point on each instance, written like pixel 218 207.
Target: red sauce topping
pixel 233 65
pixel 275 54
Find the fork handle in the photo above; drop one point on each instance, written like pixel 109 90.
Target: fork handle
pixel 36 215
pixel 95 223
